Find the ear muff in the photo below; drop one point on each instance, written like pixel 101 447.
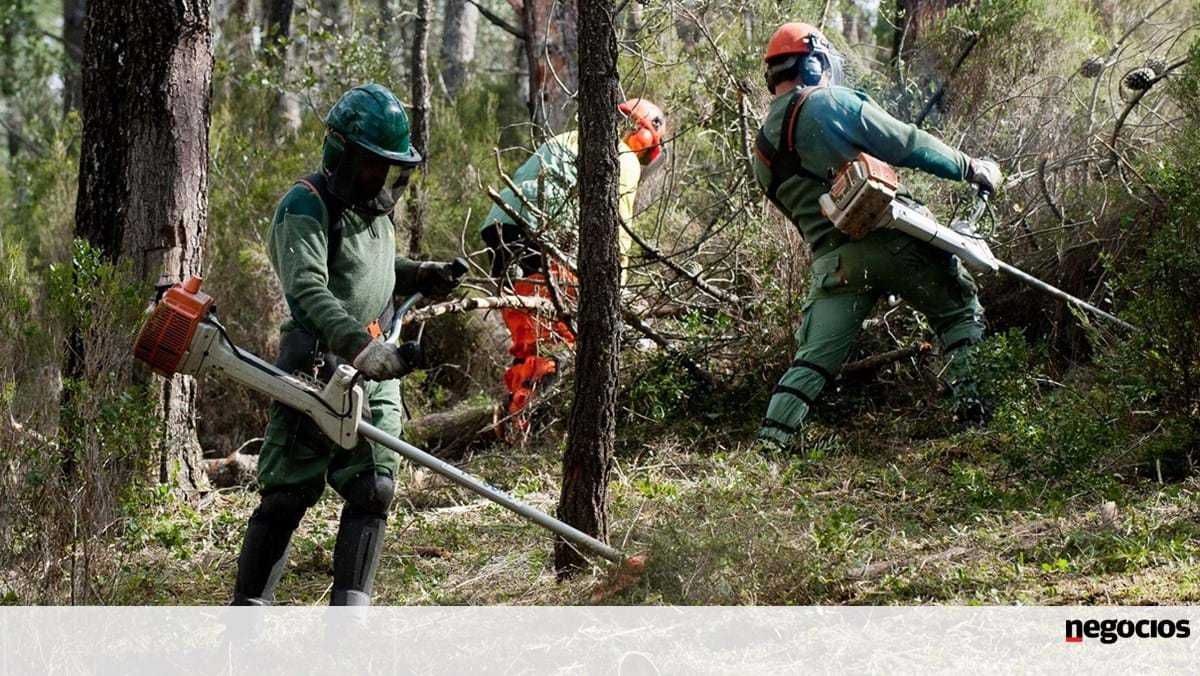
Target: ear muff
pixel 645 144
pixel 812 69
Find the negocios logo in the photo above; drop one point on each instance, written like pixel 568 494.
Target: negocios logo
pixel 1110 631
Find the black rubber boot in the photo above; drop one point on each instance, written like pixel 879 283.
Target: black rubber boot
pixel 265 549
pixel 360 539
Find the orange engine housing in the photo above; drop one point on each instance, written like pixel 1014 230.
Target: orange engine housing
pixel 167 334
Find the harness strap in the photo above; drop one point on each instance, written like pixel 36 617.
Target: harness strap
pixel 318 184
pixel 785 163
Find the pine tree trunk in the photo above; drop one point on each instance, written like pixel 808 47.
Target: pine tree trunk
pixel 419 77
pixel 458 43
pixel 143 173
pixel 592 435
pixel 74 12
pixel 550 47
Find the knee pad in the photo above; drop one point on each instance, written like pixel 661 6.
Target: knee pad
pixel 281 508
pixel 370 493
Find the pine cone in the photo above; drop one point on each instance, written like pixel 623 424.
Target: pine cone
pixel 1159 66
pixel 1139 79
pixel 1092 67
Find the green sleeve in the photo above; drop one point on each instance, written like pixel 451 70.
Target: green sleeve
pixel 406 276
pixel 903 144
pixel 299 250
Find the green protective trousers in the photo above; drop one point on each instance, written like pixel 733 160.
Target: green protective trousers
pixel 296 457
pixel 848 277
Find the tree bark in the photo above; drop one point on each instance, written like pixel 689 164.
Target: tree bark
pixel 335 15
pixel 74 12
pixel 143 172
pixel 460 27
pixel 419 77
pixel 551 41
pixel 278 58
pixel 592 429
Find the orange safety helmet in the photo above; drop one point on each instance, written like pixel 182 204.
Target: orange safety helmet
pixel 646 140
pixel 793 38
pixel 792 41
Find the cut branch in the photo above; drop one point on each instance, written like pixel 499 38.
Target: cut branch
pixel 499 21
pixel 723 296
pixel 534 303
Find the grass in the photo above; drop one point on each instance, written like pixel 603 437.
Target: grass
pixel 877 512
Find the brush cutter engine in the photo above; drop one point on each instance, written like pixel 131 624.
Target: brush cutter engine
pixel 182 335
pixel 865 197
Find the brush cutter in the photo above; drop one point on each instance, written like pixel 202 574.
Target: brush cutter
pixel 865 196
pixel 183 335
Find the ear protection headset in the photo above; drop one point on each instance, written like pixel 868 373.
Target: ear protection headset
pixel 646 141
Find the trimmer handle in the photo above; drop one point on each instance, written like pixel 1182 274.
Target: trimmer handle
pixel 458 267
pixel 981 205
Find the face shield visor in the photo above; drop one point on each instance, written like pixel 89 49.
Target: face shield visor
pixel 822 64
pixel 369 184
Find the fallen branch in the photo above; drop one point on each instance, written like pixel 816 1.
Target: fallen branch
pixel 884 358
pixel 721 295
pixel 534 303
pixel 692 367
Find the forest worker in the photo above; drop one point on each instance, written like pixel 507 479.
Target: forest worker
pixel 332 243
pixel 827 126
pixel 547 182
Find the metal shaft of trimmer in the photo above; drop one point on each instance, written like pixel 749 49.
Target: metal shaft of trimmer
pixel 497 496
pixel 1059 293
pixel 467 481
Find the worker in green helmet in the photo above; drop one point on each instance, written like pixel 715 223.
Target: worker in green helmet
pixel 332 244
pixel 813 128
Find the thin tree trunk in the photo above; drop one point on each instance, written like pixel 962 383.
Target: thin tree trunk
pixel 74 12
pixel 592 436
pixel 10 35
pixel 419 77
pixel 143 173
pixel 550 47
pixel 458 43
pixel 278 58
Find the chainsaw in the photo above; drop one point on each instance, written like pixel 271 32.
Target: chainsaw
pixel 183 335
pixel 865 196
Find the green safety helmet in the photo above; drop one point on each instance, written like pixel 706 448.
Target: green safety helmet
pixel 368 151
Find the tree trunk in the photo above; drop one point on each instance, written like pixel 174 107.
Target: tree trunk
pixel 458 43
pixel 550 46
pixel 10 115
pixel 74 12
pixel 143 173
pixel 335 15
pixel 419 77
pixel 278 57
pixel 592 431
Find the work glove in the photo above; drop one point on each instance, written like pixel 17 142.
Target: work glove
pixel 383 361
pixel 439 279
pixel 985 174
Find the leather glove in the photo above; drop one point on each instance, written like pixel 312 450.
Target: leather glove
pixel 985 174
pixel 384 361
pixel 439 279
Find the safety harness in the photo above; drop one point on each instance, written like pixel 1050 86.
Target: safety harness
pixel 785 162
pixel 299 349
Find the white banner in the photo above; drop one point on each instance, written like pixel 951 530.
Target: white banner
pixel 597 640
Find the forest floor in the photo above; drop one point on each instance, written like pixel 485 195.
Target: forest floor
pixel 881 511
